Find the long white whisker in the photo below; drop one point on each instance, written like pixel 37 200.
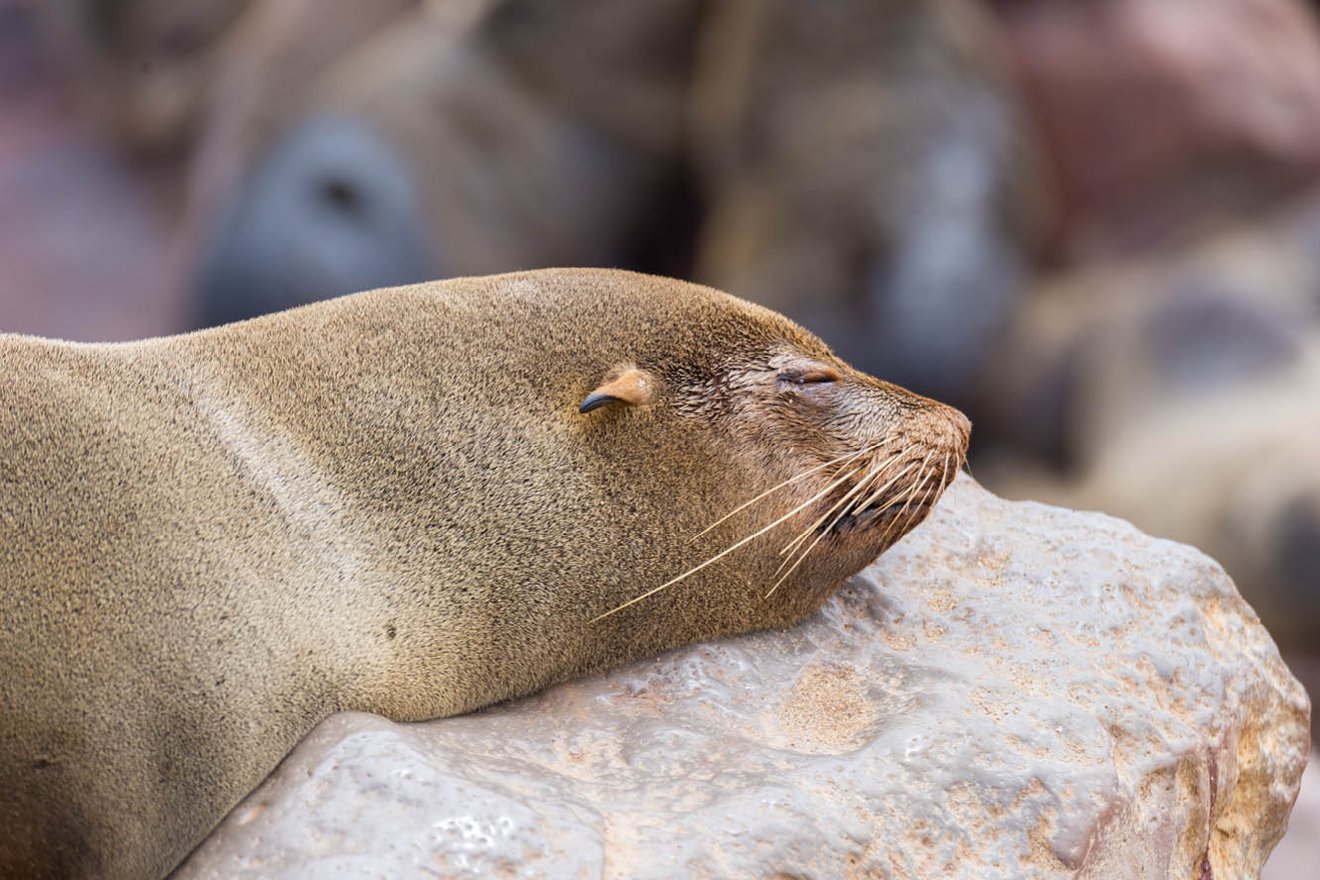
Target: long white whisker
pixel 691 571
pixel 889 484
pixel 802 558
pixel 802 536
pixel 819 537
pixel 789 481
pixel 901 516
pixel 807 532
pixel 920 487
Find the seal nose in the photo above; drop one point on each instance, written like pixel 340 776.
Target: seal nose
pixel 952 427
pixel 963 426
pixel 941 433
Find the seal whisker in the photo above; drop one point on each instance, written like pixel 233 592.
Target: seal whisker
pixel 861 486
pixel 798 559
pixel 919 495
pixel 691 571
pixel 841 503
pixel 842 508
pixel 876 495
pixel 820 536
pixel 785 576
pixel 788 482
pixel 902 516
pixel 927 490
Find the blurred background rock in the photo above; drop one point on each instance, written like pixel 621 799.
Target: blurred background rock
pixel 1094 224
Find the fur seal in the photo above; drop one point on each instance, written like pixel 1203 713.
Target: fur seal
pixel 415 502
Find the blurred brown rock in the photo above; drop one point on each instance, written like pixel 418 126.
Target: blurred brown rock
pixel 1160 116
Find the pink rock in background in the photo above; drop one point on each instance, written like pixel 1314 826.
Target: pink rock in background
pixel 1159 116
pixel 84 242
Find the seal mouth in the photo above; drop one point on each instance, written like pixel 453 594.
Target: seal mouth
pixel 878 514
pixel 888 497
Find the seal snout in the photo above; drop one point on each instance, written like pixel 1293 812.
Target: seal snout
pixel 896 480
pixel 963 426
pixel 938 430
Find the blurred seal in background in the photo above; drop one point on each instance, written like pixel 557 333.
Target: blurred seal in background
pixel 459 139
pixel 867 173
pixel 1183 393
pixel 144 66
pixel 859 166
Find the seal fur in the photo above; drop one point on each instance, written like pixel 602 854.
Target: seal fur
pixel 391 502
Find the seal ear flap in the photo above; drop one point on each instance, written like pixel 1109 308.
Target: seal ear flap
pixel 629 385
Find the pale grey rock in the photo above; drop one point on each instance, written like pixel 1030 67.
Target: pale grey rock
pixel 1298 854
pixel 1013 691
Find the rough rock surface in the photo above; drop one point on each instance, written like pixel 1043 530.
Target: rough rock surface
pixel 1014 690
pixel 1298 853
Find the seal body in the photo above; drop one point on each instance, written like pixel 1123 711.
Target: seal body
pixel 415 502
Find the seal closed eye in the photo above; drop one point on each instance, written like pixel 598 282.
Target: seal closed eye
pixel 414 502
